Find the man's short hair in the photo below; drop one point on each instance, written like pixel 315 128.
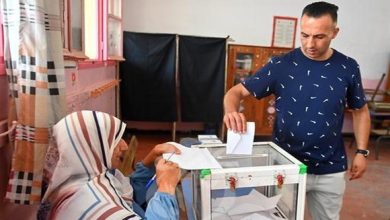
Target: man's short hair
pixel 318 9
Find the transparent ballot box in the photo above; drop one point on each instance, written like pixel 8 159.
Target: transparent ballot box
pixel 268 184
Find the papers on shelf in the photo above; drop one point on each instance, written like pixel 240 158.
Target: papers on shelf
pixel 193 158
pixel 209 139
pixel 241 143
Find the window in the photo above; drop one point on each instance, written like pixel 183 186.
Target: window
pixel 92 29
pixel 65 29
pixel 76 25
pixel 72 29
pixel 2 66
pixel 93 22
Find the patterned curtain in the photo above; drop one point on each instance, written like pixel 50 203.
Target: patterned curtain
pixel 35 70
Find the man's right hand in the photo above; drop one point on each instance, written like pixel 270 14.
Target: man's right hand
pixel 235 121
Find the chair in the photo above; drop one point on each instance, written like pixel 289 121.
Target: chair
pixel 127 166
pixel 380 128
pixel 380 116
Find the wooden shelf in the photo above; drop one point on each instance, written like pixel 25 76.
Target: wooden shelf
pixel 250 59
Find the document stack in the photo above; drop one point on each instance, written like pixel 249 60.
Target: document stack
pixel 209 139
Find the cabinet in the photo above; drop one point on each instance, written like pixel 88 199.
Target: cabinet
pixel 243 61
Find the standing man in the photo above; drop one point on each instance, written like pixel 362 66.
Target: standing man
pixel 312 85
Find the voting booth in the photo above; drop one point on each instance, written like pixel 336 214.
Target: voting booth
pixel 267 184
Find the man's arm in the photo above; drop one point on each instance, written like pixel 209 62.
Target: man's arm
pixel 361 127
pixel 233 119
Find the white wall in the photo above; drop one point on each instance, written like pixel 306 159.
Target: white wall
pixel 364 24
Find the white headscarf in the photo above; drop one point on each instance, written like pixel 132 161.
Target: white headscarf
pixel 80 185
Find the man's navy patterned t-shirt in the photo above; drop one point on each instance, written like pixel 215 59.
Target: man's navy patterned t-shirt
pixel 310 98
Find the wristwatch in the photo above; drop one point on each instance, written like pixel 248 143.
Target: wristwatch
pixel 364 152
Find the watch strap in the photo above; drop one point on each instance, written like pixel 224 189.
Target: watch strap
pixel 364 152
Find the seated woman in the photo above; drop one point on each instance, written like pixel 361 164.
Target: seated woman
pixel 82 185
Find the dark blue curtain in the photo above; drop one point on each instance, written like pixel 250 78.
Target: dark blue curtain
pixel 202 77
pixel 148 77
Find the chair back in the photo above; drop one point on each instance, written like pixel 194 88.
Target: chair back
pixel 377 87
pixel 127 166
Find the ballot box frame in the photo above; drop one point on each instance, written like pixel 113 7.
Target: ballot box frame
pixel 213 179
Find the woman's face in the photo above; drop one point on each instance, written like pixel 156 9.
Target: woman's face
pixel 119 154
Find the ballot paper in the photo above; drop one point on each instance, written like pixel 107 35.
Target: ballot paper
pixel 255 216
pixel 253 202
pixel 241 143
pixel 193 158
pixel 263 215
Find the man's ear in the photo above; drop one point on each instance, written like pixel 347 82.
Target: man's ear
pixel 335 32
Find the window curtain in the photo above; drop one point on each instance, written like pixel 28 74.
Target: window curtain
pixel 148 88
pixel 202 78
pixel 35 71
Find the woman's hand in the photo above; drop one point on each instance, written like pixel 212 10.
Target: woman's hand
pixel 167 176
pixel 158 151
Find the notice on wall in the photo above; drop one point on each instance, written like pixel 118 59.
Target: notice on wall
pixel 284 32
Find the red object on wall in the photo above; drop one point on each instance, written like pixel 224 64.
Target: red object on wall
pixel 73 77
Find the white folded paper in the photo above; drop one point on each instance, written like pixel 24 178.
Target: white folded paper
pixel 241 143
pixel 193 158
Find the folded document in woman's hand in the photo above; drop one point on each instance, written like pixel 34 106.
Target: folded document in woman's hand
pixel 193 158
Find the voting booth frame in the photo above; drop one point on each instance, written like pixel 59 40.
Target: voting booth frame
pixel 269 170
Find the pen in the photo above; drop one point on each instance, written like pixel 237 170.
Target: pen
pixel 154 176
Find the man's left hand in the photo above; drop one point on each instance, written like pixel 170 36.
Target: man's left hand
pixel 358 167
